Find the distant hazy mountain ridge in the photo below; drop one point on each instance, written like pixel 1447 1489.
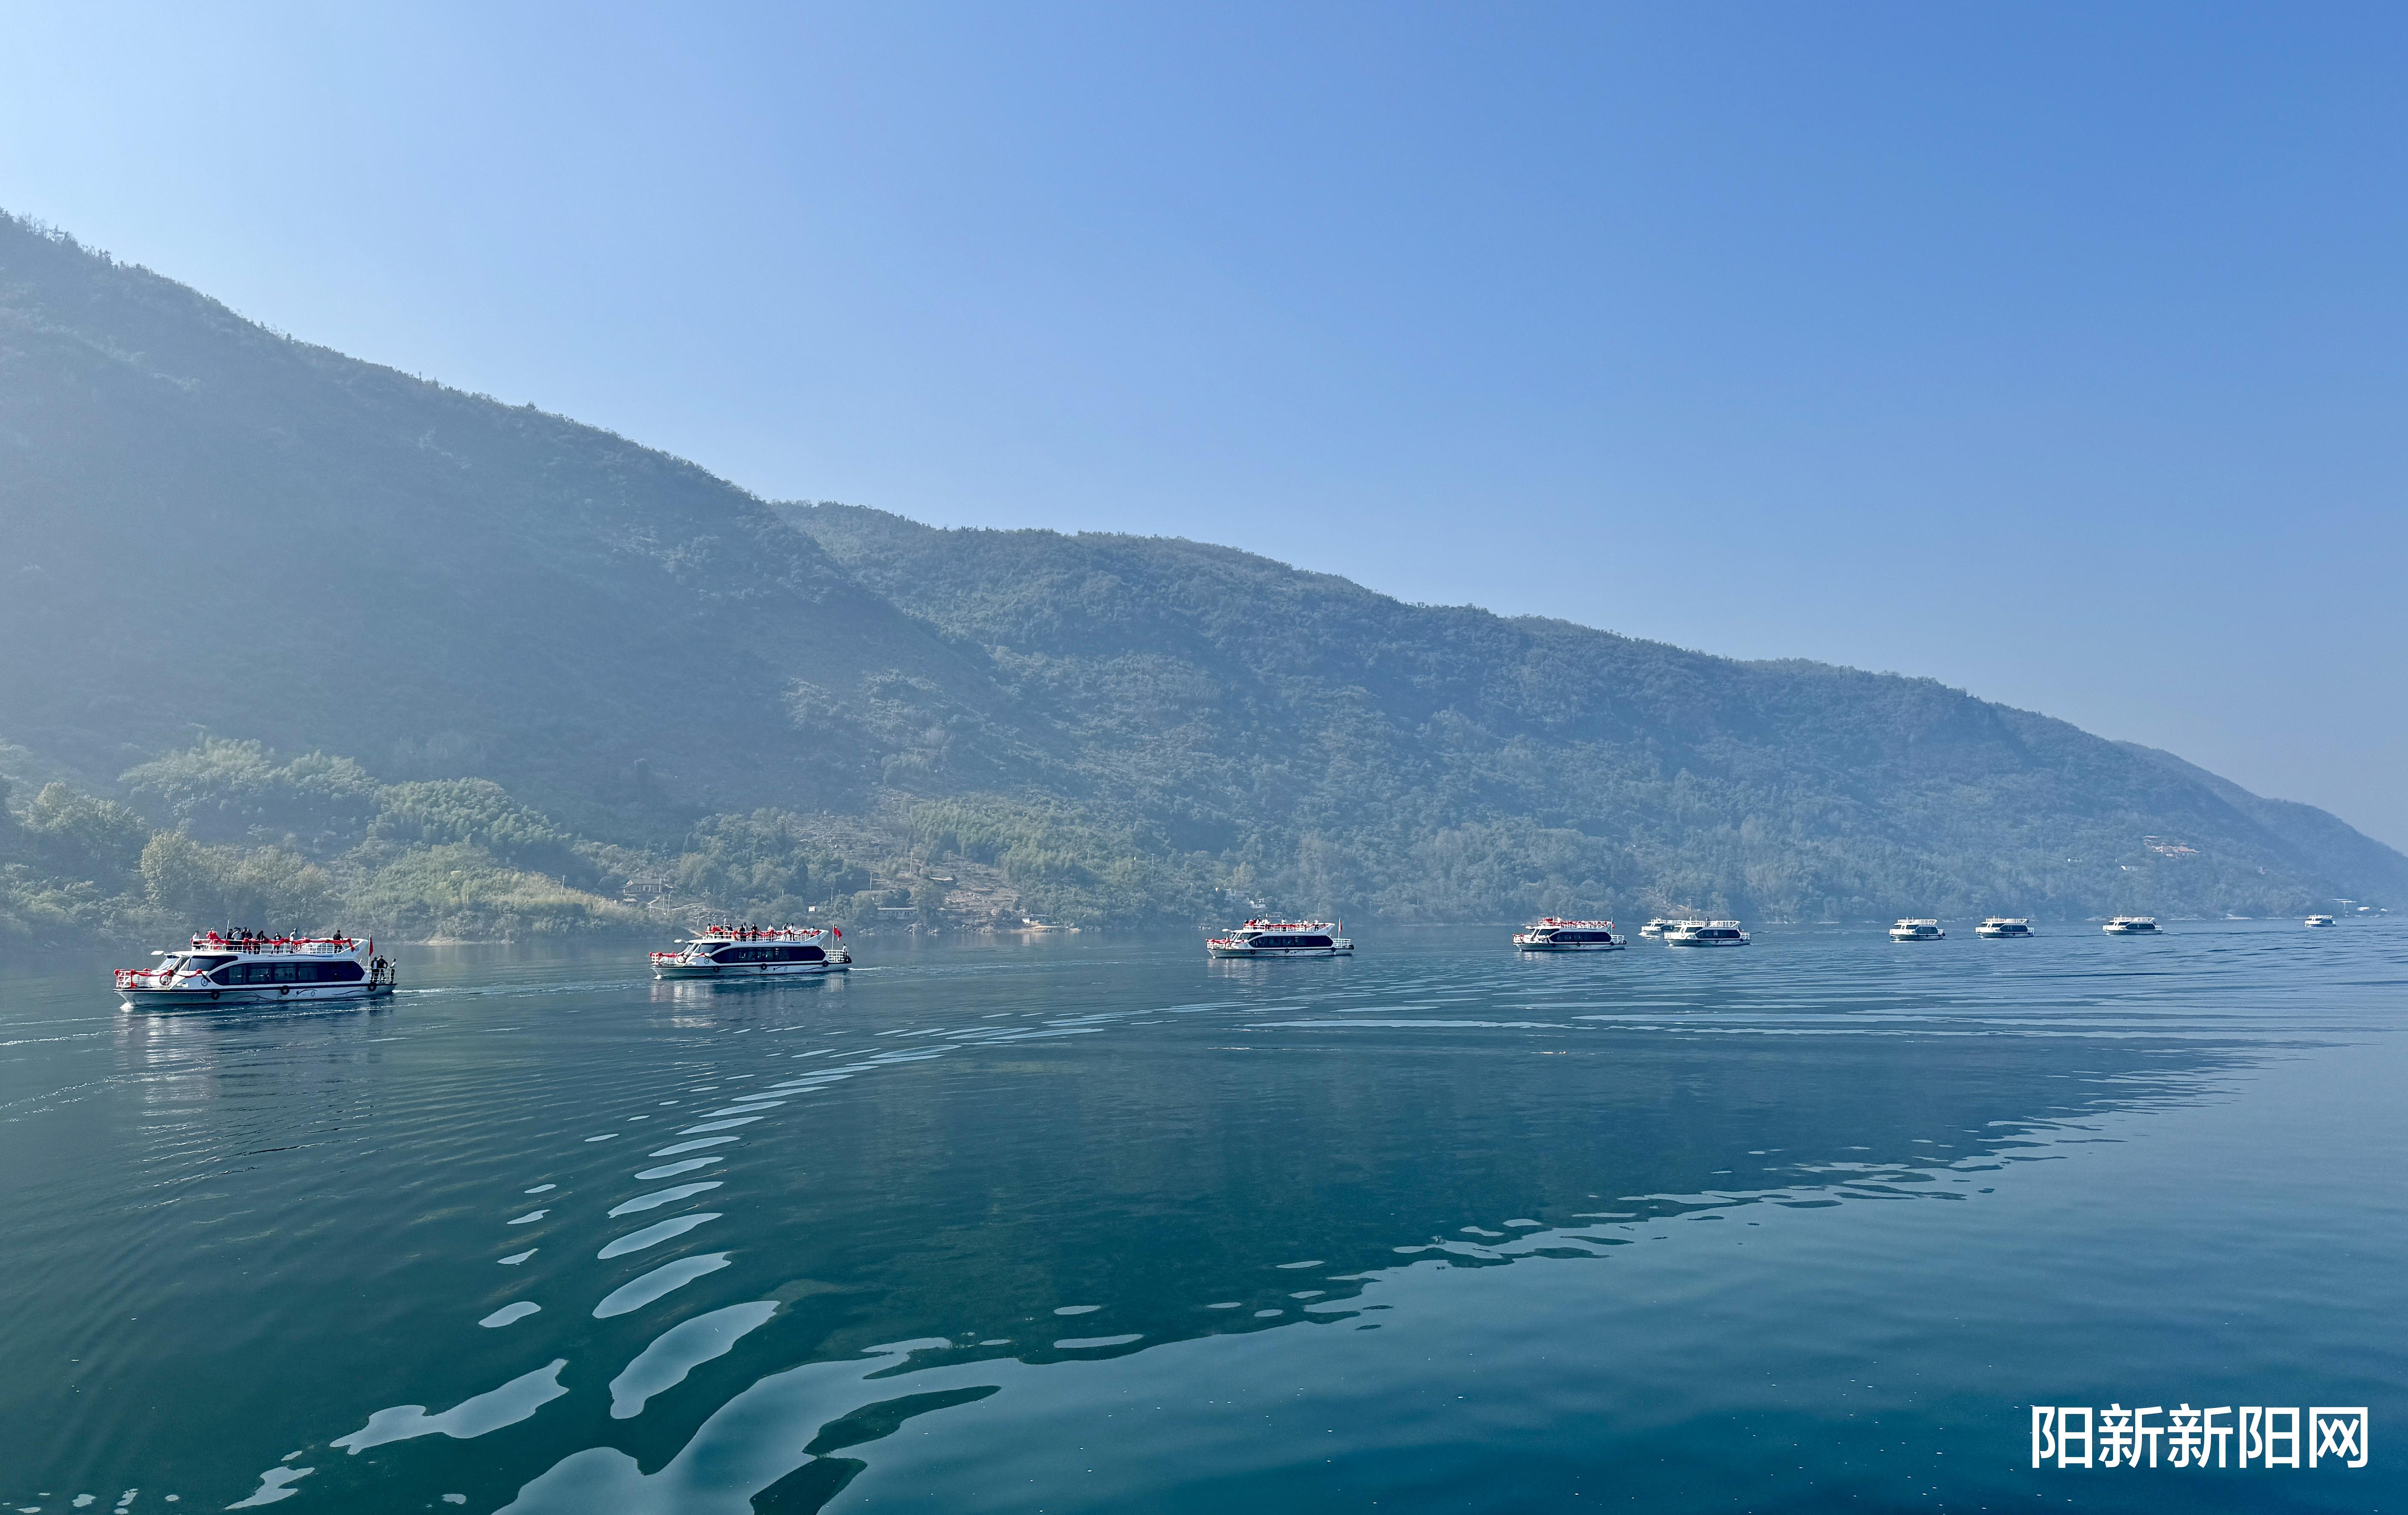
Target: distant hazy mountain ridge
pixel 219 536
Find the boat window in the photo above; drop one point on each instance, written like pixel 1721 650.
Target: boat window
pixel 289 973
pixel 768 953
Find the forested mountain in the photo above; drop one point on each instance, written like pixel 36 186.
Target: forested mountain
pixel 213 526
pixel 1444 761
pixel 286 632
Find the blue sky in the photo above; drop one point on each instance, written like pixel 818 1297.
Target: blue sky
pixel 2054 352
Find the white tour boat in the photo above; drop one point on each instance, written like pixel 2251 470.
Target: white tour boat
pixel 1913 929
pixel 1704 933
pixel 1282 939
pixel 2319 920
pixel 1662 924
pixel 245 967
pixel 1551 934
pixel 1997 926
pixel 2132 926
pixel 755 952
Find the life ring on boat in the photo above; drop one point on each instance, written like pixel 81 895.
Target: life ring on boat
pixel 214 994
pixel 284 989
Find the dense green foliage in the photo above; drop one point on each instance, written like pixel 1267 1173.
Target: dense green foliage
pixel 371 648
pixel 69 863
pixel 226 832
pixel 222 833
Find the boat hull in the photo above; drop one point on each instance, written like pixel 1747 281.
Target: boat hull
pixel 1917 936
pixel 1710 941
pixel 747 970
pixel 2000 934
pixel 250 996
pixel 1280 952
pixel 1568 946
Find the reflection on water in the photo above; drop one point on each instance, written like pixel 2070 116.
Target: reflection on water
pixel 1082 1223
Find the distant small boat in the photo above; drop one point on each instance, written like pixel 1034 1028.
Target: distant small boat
pixel 1704 933
pixel 1551 934
pixel 2319 920
pixel 1997 926
pixel 1916 930
pixel 1663 924
pixel 1282 939
pixel 755 952
pixel 2132 926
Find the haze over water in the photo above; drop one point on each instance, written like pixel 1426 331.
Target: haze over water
pixel 1093 1224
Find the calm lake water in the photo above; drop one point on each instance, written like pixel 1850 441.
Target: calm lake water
pixel 1092 1224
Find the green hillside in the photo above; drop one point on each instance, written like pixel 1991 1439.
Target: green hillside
pixel 1443 762
pixel 215 528
pixel 291 635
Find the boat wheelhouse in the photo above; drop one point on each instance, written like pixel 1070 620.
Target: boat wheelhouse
pixel 755 952
pixel 2002 926
pixel 247 967
pixel 2319 920
pixel 1552 934
pixel 1916 929
pixel 2132 926
pixel 1282 939
pixel 1704 933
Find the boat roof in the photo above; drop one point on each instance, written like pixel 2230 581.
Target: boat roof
pixel 272 946
pixel 1289 926
pixel 721 934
